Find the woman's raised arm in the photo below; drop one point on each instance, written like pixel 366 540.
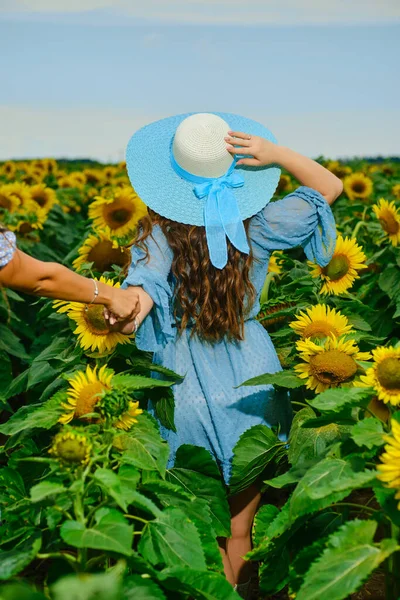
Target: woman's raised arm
pixel 304 169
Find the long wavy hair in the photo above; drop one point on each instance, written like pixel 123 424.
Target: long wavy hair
pixel 212 302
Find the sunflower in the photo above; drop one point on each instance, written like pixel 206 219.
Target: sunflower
pixel 94 176
pixel 384 375
pixel 338 169
pixel 342 270
pixel 7 200
pixel 273 265
pixel 321 321
pixel 84 392
pixel 389 218
pixel 21 191
pixel 72 180
pixel 103 252
pixel 71 448
pixel 373 169
pixel 284 185
pixel 117 215
pixel 109 173
pixel 92 329
pixel 94 391
pixel 389 469
pixel 9 169
pixel 32 177
pixel 329 364
pixel 396 191
pixel 50 165
pixel 44 196
pixel 357 185
pixel 38 164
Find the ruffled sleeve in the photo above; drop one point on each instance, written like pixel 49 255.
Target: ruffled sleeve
pixel 8 246
pixel 302 218
pixel 156 329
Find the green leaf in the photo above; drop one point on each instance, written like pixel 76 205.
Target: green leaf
pixel 101 586
pixel 350 556
pixel 17 386
pixel 137 587
pixel 262 520
pixel 389 282
pixel 198 477
pixel 11 344
pixel 335 399
pixel 285 379
pixel 19 591
pixel 302 562
pixel 6 375
pixel 111 533
pixel 12 482
pixel 139 382
pixel 289 478
pixel 139 363
pixel 255 449
pixel 274 574
pixel 327 477
pixel 110 482
pixel 307 444
pixel 14 561
pixel 358 322
pixel 164 406
pixel 202 585
pixel 40 372
pixel 44 489
pixel 172 540
pixel 145 447
pixel 388 502
pixel 42 416
pixel 368 433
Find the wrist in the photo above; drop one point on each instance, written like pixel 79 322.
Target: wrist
pixel 280 154
pixel 106 294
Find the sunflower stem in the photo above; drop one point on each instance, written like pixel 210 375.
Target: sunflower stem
pixel 145 521
pixel 300 403
pixel 357 228
pixel 265 289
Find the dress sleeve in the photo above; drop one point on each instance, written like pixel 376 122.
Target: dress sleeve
pixel 156 329
pixel 302 218
pixel 8 246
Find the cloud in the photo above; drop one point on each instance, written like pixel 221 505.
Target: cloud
pixel 103 134
pixel 258 12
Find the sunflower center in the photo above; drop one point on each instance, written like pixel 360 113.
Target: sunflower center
pixel 88 398
pixel 358 187
pixel 25 228
pixel 103 256
pixel 389 223
pixel 41 200
pixel 118 213
pixel 388 373
pixel 319 329
pixel 337 268
pixel 333 367
pixel 94 317
pixel 5 202
pixel 72 450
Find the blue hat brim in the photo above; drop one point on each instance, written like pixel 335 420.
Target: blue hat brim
pixel 161 189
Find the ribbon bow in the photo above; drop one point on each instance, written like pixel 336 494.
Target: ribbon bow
pixel 222 217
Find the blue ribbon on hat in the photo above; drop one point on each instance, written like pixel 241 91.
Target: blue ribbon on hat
pixel 222 216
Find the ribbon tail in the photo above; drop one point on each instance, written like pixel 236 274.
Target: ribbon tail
pixel 232 220
pixel 215 232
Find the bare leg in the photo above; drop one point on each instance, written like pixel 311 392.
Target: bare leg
pixel 225 561
pixel 243 508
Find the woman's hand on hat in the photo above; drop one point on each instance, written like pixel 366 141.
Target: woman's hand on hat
pixel 263 151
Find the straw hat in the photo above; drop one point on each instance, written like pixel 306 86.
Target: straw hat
pixel 181 169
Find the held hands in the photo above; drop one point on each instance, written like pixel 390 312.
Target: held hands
pixel 124 306
pixel 263 151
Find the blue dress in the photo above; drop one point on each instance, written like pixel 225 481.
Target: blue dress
pixel 7 247
pixel 209 411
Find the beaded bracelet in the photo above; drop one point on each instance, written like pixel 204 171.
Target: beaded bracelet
pixel 96 293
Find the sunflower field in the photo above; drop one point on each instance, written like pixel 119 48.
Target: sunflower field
pixel 88 507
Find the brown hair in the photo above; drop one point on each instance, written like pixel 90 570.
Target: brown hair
pixel 214 302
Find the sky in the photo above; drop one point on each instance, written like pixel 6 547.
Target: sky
pixel 78 77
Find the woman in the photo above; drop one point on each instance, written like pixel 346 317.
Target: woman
pixel 26 274
pixel 201 258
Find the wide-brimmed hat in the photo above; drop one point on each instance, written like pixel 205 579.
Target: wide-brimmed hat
pixel 180 167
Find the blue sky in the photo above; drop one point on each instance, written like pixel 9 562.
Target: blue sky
pixel 79 82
